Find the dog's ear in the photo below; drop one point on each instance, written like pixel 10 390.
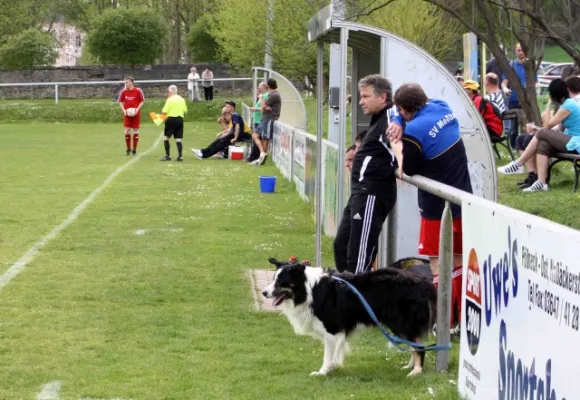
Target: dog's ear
pixel 277 263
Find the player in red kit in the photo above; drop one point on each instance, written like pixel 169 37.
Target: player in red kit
pixel 131 97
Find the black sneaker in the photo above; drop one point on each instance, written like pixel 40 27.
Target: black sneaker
pixel 134 152
pixel 179 159
pixel 128 152
pixel 166 158
pixel 529 181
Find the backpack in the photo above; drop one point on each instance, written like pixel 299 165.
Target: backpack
pixel 483 104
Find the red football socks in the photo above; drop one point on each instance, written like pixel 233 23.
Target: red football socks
pixel 135 141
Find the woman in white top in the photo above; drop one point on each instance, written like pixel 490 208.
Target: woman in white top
pixel 207 83
pixel 192 79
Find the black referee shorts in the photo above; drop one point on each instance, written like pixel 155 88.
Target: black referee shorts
pixel 174 127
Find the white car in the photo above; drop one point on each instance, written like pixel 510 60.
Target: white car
pixel 551 72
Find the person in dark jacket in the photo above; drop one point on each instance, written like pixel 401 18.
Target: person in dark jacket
pixel 373 183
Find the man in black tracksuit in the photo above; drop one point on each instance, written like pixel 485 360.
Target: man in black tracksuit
pixel 373 184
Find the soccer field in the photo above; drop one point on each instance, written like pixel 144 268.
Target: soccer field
pixel 135 288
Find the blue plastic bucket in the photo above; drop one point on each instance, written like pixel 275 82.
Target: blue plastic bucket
pixel 267 184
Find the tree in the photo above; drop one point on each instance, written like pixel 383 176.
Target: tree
pixel 127 36
pixel 492 21
pixel 28 50
pixel 242 41
pixel 423 24
pixel 242 46
pixel 201 42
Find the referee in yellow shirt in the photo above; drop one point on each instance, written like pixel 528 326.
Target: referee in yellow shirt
pixel 175 108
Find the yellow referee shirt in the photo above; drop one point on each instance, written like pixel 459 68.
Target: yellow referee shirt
pixel 175 106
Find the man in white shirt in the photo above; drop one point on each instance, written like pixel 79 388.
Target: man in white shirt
pixel 494 93
pixel 192 80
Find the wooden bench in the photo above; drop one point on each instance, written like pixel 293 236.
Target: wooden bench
pixel 574 158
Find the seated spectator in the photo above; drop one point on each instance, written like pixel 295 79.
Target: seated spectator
pixel 491 115
pixel 547 140
pixel 494 93
pixel 236 130
pixel 573 83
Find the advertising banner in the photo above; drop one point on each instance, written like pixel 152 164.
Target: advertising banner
pixel 521 306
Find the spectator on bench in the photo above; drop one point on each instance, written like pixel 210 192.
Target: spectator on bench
pixel 489 113
pixel 494 93
pixel 573 83
pixel 547 140
pixel 236 130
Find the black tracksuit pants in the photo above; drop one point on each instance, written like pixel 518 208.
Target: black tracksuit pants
pixel 222 144
pixel 357 237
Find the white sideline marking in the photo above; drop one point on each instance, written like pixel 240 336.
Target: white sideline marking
pixel 144 231
pixel 19 265
pixel 49 391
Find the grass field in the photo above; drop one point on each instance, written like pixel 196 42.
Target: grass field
pixel 144 294
pixel 556 54
pixel 167 313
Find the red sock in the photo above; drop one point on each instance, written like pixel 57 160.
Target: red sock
pixel 135 141
pixel 456 280
pixel 128 141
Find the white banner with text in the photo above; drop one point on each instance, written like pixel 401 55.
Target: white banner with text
pixel 521 304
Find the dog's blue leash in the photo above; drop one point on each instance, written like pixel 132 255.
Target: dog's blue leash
pixel 397 341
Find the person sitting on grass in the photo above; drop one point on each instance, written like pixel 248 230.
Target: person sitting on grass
pixel 236 130
pixel 547 140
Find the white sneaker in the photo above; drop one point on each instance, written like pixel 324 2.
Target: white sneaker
pixel 537 186
pixel 511 169
pixel 197 153
pixel 260 159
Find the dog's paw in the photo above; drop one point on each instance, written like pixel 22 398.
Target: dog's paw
pixel 415 372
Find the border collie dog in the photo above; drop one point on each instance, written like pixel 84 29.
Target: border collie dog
pixel 320 306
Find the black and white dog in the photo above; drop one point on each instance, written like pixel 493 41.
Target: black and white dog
pixel 320 306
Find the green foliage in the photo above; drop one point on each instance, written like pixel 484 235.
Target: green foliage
pixel 242 36
pixel 98 111
pixel 127 36
pixel 201 42
pixel 421 23
pixel 28 50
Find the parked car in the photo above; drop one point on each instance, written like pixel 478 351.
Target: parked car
pixel 551 72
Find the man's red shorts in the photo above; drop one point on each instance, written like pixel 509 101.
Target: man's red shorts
pixel 132 122
pixel 429 237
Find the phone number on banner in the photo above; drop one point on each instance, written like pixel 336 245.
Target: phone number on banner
pixel 555 306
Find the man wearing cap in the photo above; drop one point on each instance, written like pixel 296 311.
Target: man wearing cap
pixel 489 113
pixel 229 106
pixel 235 129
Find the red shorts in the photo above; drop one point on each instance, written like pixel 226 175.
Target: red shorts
pixel 429 237
pixel 132 122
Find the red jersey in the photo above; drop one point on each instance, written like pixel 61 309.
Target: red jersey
pixel 131 98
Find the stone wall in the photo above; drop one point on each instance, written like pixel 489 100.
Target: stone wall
pixel 96 74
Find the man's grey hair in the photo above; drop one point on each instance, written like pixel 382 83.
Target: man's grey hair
pixel 380 85
pixel 173 89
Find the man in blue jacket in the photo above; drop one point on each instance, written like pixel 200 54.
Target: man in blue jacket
pixel 431 146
